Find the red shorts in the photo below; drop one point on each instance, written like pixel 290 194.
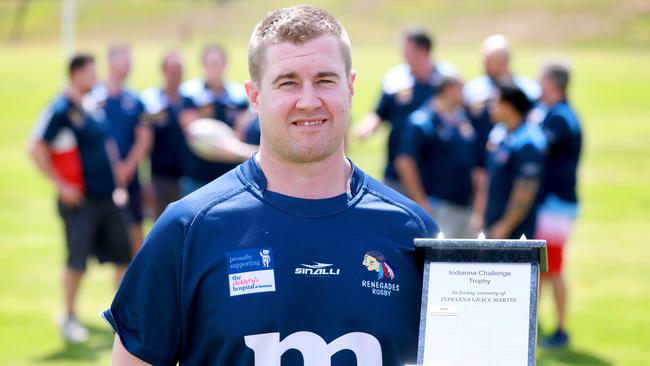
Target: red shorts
pixel 555 229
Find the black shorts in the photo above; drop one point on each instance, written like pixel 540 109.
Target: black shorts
pixel 97 228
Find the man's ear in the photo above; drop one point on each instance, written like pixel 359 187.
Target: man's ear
pixel 351 80
pixel 253 92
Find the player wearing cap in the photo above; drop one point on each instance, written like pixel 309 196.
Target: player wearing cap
pixel 296 254
pixel 71 145
pixel 560 203
pixel 404 89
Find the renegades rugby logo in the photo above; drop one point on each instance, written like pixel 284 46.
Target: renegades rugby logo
pixel 375 261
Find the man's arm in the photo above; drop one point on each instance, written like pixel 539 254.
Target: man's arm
pixel 68 194
pixel 367 126
pixel 479 182
pixel 520 203
pixel 122 357
pixel 125 170
pixel 409 176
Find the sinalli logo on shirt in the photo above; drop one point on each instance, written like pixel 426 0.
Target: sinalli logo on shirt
pixel 317 270
pixel 375 261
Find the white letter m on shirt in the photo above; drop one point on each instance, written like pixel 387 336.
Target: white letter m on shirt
pixel 315 352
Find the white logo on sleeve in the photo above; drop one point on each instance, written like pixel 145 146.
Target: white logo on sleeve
pixel 268 348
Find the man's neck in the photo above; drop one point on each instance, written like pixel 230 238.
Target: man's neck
pixel 444 107
pixel 171 90
pixel 323 179
pixel 513 124
pixel 215 85
pixel 423 71
pixel 75 93
pixel 114 85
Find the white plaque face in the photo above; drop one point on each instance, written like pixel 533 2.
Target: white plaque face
pixel 477 314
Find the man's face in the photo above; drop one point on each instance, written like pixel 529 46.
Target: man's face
pixel 120 64
pixel 496 65
pixel 214 66
pixel 548 88
pixel 370 263
pixel 303 99
pixel 173 70
pixel 455 94
pixel 86 77
pixel 414 55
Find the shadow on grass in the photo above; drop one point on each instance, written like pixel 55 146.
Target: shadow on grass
pixel 100 340
pixel 569 356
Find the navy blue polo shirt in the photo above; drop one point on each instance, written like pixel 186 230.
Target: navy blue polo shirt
pixel 123 111
pixel 519 154
pixel 224 106
pixel 563 133
pixel 478 93
pixel 78 136
pixel 169 145
pixel 402 94
pixel 235 274
pixel 444 151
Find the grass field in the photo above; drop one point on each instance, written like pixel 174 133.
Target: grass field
pixel 607 44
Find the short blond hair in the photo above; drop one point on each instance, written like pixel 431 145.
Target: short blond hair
pixel 296 24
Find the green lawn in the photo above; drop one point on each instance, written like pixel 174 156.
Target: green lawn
pixel 608 261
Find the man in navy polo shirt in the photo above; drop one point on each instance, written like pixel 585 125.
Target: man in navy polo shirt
pixel 404 89
pixel 162 106
pixel 297 256
pixel 210 97
pixel 515 164
pixel 437 160
pixel 69 146
pixel 124 112
pixel 560 203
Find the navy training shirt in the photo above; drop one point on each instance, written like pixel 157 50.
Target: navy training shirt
pixel 67 127
pixel 234 274
pixel 402 94
pixel 224 106
pixel 123 112
pixel 519 154
pixel 563 133
pixel 478 93
pixel 169 145
pixel 444 152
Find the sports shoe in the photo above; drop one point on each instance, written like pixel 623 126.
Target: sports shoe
pixel 559 339
pixel 72 330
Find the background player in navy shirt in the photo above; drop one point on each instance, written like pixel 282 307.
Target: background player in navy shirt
pixel 404 89
pixel 210 97
pixel 297 256
pixel 124 112
pixel 437 160
pixel 162 106
pixel 560 199
pixel 515 166
pixel 70 146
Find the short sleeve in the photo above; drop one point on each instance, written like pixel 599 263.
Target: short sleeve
pixel 51 125
pixel 145 312
pixel 529 163
pixel 383 109
pixel 555 129
pixel 412 139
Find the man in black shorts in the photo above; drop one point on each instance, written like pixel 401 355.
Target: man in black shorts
pixel 71 146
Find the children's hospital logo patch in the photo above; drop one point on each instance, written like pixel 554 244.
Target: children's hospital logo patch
pixel 250 271
pixel 375 261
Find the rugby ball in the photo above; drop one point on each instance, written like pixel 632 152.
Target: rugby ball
pixel 214 140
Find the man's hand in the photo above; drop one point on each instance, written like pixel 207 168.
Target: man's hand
pixel 123 174
pixel 70 195
pixel 476 223
pixel 500 230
